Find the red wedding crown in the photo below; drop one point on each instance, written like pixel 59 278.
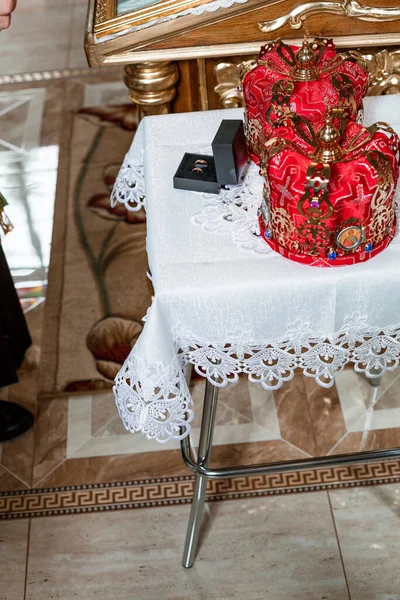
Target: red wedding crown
pixel 329 197
pixel 288 83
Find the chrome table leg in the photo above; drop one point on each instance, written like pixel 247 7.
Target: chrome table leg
pixel 200 467
pixel 376 382
pixel 200 486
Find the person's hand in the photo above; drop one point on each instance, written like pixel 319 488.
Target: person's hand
pixel 6 8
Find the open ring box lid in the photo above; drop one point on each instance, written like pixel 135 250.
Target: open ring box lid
pixel 225 167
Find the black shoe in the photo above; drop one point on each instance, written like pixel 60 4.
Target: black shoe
pixel 14 420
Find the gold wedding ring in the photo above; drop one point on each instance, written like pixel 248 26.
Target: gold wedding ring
pixel 200 162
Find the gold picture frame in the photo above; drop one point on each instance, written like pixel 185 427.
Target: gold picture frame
pixel 107 20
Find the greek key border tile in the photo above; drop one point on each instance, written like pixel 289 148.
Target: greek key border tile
pixel 178 490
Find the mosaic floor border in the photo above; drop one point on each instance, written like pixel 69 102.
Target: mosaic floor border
pixel 148 493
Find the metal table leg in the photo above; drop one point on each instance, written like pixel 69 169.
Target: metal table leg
pixel 203 472
pixel 200 486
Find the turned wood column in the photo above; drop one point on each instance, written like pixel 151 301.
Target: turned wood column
pixel 152 86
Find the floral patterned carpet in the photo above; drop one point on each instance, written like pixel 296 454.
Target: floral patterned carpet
pixel 98 288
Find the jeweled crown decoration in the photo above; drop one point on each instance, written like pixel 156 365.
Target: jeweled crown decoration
pixel 291 84
pixel 329 193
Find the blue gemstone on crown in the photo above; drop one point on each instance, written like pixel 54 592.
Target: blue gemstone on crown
pixel 368 247
pixel 332 255
pixel 268 234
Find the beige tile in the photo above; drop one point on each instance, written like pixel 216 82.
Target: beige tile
pixel 21 113
pixel 367 521
pixel 235 418
pixel 54 115
pixel 50 436
pixel 106 93
pixel 255 549
pixel 76 56
pixel 110 438
pixel 28 246
pixel 238 397
pixel 8 482
pixel 115 427
pixel 235 454
pixel 128 467
pixel 264 409
pixel 224 416
pixel 37 40
pixel 13 546
pixel 17 457
pixel 233 433
pixel 354 393
pixel 294 415
pixel 326 415
pixel 357 396
pixel 389 392
pixel 233 402
pixel 103 411
pixel 371 440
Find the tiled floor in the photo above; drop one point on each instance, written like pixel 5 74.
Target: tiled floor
pixel 297 421
pixel 44 36
pixel 336 545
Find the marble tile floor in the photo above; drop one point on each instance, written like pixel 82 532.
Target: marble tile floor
pixel 44 36
pixel 335 545
pixel 80 439
pixel 341 545
pixel 31 128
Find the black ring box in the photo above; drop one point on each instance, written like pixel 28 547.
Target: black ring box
pixel 187 179
pixel 229 150
pixel 225 167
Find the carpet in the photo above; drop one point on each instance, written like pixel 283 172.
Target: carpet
pixel 98 289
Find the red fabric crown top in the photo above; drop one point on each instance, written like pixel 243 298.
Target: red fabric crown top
pixel 290 81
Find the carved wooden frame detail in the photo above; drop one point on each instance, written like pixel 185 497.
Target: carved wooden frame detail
pixel 348 8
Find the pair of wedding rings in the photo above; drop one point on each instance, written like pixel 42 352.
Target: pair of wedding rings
pixel 199 166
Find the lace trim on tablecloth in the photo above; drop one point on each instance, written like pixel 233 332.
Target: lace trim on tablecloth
pixel 153 398
pixel 234 212
pixel 129 187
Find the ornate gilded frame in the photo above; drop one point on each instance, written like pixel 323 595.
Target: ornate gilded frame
pixel 112 39
pixel 108 22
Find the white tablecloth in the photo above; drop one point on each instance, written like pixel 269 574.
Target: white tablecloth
pixel 227 310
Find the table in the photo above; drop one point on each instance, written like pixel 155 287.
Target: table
pixel 226 309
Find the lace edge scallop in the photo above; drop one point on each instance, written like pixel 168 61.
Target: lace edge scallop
pixel 154 398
